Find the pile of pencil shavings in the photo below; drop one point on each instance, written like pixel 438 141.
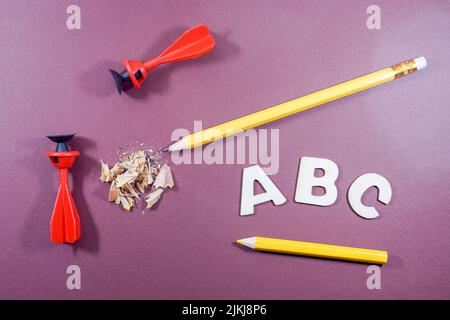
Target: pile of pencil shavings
pixel 137 175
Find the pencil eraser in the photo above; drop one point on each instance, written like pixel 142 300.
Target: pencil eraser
pixel 421 63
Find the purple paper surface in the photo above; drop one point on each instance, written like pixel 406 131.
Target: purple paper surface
pixel 55 80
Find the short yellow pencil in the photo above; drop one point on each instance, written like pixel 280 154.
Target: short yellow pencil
pixel 298 105
pixel 315 250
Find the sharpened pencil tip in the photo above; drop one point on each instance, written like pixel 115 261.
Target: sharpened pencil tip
pixel 247 242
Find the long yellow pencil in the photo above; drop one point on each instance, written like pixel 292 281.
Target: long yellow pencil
pixel 298 105
pixel 315 250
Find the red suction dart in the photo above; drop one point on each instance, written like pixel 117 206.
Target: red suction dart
pixel 65 222
pixel 193 43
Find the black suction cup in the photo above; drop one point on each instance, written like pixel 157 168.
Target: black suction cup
pixel 122 80
pixel 61 140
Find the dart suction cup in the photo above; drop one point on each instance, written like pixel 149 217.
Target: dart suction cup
pixel 61 141
pixel 122 80
pixel 192 44
pixel 65 221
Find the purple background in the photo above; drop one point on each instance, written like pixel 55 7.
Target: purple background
pixel 55 81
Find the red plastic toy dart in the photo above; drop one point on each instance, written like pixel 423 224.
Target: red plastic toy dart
pixel 192 44
pixel 65 222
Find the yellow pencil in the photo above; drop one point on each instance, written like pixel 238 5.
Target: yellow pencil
pixel 315 250
pixel 298 105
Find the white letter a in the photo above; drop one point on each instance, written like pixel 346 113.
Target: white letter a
pixel 374 20
pixel 249 199
pixel 74 20
pixel 374 280
pixel 74 280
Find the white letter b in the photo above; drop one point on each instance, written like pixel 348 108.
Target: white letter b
pixel 306 180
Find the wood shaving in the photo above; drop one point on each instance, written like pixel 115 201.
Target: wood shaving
pixel 141 187
pixel 116 170
pixel 126 178
pixel 164 178
pixel 153 198
pixel 113 192
pixel 125 203
pixel 134 176
pixel 105 172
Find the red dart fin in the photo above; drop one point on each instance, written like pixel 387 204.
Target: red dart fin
pixel 57 220
pixel 191 44
pixel 71 218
